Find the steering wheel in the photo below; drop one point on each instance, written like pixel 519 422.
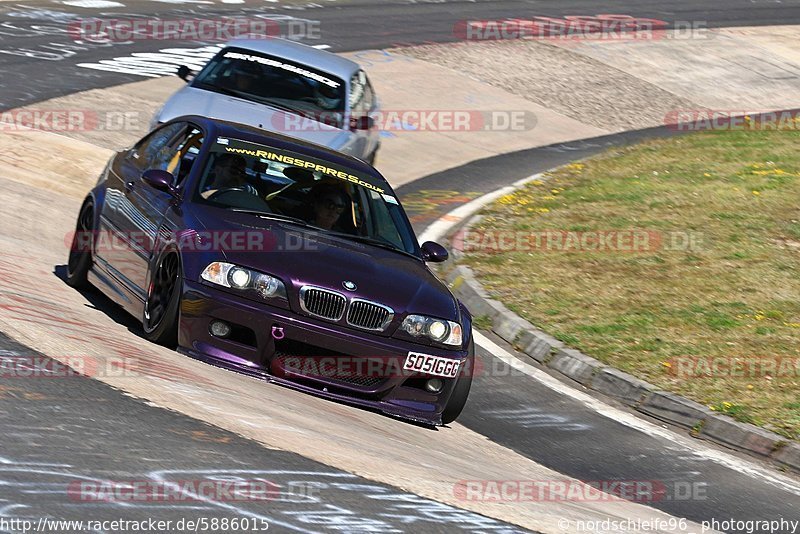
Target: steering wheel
pixel 305 82
pixel 219 192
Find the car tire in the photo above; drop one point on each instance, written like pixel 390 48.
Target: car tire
pixel 162 306
pixel 458 399
pixel 80 259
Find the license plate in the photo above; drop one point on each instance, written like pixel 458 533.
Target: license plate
pixel 431 365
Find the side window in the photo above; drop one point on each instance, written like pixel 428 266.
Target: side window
pixel 382 222
pixel 358 93
pixel 156 150
pixel 187 146
pixel 369 96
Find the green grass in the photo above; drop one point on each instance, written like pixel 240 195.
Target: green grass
pixel 715 273
pixel 482 322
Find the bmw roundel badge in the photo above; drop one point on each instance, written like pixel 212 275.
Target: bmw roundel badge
pixel 348 285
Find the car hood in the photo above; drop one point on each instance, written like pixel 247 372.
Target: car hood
pixel 192 101
pixel 300 257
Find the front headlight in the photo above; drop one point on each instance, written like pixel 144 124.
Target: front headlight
pixel 438 330
pixel 235 277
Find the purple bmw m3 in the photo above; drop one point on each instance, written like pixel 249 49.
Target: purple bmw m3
pixel 280 259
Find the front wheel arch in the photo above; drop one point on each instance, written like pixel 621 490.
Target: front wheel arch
pixel 460 394
pixel 81 253
pixel 161 311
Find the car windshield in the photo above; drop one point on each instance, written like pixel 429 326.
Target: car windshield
pixel 275 82
pixel 297 189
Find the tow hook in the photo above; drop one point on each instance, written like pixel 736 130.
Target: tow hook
pixel 277 332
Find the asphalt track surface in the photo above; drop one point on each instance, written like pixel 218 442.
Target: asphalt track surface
pixel 566 436
pixel 38 56
pixel 91 430
pixel 81 431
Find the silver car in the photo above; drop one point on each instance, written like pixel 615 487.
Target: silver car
pixel 284 87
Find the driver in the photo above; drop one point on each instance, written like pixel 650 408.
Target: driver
pixel 244 76
pixel 328 204
pixel 230 171
pixel 327 97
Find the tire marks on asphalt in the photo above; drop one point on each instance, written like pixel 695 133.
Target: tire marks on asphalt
pixel 530 417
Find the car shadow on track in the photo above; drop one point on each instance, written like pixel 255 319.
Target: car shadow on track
pixel 100 302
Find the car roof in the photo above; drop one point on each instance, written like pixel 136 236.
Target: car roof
pixel 221 128
pixel 300 53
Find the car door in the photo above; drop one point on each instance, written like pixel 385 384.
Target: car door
pixel 117 213
pixel 110 233
pixel 140 208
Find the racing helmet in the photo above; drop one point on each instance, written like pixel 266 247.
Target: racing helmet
pixel 327 97
pixel 245 75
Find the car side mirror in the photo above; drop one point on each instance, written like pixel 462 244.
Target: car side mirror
pixel 161 180
pixel 365 122
pixel 434 252
pixel 184 72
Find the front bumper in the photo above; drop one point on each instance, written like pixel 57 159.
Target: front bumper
pixel 369 371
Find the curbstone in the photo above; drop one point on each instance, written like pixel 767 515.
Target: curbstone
pixel 509 325
pixel 741 435
pixel 675 409
pixel 576 365
pixel 788 454
pixel 506 323
pixel 537 344
pixel 469 292
pixel 497 310
pixel 621 385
